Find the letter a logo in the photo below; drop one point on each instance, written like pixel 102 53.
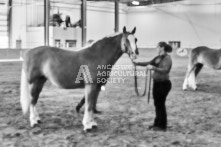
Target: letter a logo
pixel 86 75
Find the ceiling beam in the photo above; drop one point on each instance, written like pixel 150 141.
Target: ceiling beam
pixel 142 2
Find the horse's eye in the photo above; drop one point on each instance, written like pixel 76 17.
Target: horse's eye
pixel 135 39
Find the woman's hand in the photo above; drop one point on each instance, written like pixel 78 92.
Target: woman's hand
pixel 141 63
pixel 150 67
pixel 135 62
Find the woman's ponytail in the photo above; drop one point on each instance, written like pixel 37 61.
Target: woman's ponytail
pixel 166 46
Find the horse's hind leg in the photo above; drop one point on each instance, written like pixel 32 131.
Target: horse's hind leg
pixel 199 66
pixel 95 104
pixel 185 83
pixel 193 74
pixel 192 70
pixel 35 89
pixel 91 94
pixel 80 104
pixel 190 77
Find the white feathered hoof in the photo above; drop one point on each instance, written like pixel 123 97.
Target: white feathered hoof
pixel 184 87
pixel 194 87
pixel 35 122
pixel 88 130
pixel 90 126
pixel 87 127
pixel 94 125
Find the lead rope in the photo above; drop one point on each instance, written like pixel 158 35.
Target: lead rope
pixel 149 87
pixel 147 72
pixel 136 85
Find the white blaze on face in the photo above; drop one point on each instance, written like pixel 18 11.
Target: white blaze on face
pixel 131 39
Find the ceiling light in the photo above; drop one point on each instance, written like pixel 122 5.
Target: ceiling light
pixel 135 2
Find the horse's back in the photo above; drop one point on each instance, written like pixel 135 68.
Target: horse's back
pixel 205 52
pixel 205 49
pixel 56 65
pixel 35 60
pixel 37 56
pixel 206 55
pixel 41 54
pixel 200 50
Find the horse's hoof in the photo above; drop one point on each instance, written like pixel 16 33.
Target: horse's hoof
pixel 184 87
pixel 97 112
pixel 88 130
pixel 35 125
pixel 94 127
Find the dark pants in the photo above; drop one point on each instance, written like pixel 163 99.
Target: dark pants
pixel 160 92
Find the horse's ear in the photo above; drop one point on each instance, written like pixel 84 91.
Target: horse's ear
pixel 134 30
pixel 124 30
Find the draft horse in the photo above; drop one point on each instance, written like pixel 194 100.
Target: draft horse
pixel 199 57
pixel 62 68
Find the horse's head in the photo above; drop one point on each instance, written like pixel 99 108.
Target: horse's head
pixel 129 43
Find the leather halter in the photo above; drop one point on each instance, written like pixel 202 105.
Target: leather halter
pixel 126 48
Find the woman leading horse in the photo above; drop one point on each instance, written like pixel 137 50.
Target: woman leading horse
pixel 71 70
pixel 161 66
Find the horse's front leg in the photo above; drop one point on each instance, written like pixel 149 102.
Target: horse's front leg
pixel 91 94
pixel 81 103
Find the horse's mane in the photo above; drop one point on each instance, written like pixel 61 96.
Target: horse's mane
pixel 106 38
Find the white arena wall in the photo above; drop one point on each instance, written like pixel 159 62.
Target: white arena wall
pixel 193 25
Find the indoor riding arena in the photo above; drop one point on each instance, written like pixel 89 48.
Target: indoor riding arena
pixel 116 73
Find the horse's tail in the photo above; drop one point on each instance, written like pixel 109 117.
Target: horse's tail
pixel 192 61
pixel 191 56
pixel 24 93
